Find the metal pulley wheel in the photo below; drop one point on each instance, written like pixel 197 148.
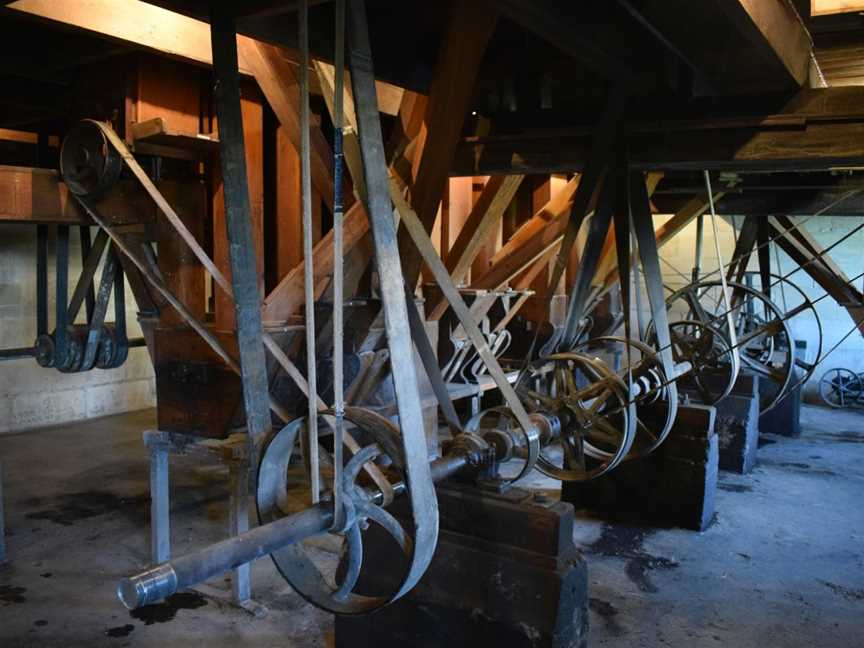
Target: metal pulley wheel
pixel 591 402
pixel 89 164
pixel 500 428
pixel 655 395
pixel 325 569
pixel 800 309
pixel 840 387
pixel 764 341
pixel 712 372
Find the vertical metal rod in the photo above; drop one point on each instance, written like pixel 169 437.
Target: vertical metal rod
pixel 733 338
pixel 90 295
pixel 61 298
pixel 338 269
pixel 42 279
pixel 2 520
pixel 308 278
pixel 160 507
pixel 241 577
pixel 700 233
pixel 238 219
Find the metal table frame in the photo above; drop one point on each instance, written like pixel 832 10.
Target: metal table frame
pixel 232 452
pixel 2 521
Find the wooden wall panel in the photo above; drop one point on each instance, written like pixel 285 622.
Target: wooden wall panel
pixel 170 90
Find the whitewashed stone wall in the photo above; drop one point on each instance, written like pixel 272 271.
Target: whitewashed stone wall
pixel 31 396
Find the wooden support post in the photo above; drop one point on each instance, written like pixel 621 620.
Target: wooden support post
pixel 238 216
pixel 462 47
pixel 665 232
pixel 480 225
pixel 278 81
pixel 289 239
pixel 803 248
pixel 531 241
pixel 183 273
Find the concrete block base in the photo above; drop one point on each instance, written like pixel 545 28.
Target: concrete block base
pixel 505 573
pixel 738 432
pixel 785 417
pixel 673 487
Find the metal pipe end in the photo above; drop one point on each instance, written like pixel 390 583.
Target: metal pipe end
pixel 147 587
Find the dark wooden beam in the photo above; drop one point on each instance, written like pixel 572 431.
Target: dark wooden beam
pixel 38 196
pixel 737 45
pixel 803 249
pixel 794 202
pixel 461 51
pixel 591 33
pixel 817 129
pixel 147 26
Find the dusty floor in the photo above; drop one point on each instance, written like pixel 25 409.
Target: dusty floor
pixel 783 564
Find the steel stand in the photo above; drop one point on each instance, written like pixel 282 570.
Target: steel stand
pixel 232 452
pixel 2 521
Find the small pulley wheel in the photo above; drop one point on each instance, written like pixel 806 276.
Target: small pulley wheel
pixel 500 428
pixel 88 163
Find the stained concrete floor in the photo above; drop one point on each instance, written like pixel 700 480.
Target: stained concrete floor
pixel 782 565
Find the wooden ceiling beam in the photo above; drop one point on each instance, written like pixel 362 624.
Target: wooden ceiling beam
pixel 159 30
pixel 830 7
pixel 38 196
pixel 479 227
pixel 775 31
pixel 818 129
pixel 461 51
pixel 735 45
pixel 531 242
pixel 278 81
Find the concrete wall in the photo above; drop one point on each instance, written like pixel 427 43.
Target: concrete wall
pixel 836 321
pixel 31 396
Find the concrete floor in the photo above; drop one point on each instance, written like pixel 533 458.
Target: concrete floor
pixel 783 564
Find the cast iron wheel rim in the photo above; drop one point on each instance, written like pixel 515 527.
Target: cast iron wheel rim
pixel 294 562
pixel 668 392
pixel 704 347
pixel 806 305
pixel 842 382
pixel 571 411
pixel 776 325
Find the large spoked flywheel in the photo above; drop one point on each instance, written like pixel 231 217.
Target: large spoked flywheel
pixel 326 569
pixel 597 419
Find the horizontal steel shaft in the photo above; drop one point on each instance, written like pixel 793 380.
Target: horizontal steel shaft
pixel 167 578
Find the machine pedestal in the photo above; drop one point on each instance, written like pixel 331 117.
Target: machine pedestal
pixel 506 573
pixel 674 486
pixel 785 417
pixel 738 426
